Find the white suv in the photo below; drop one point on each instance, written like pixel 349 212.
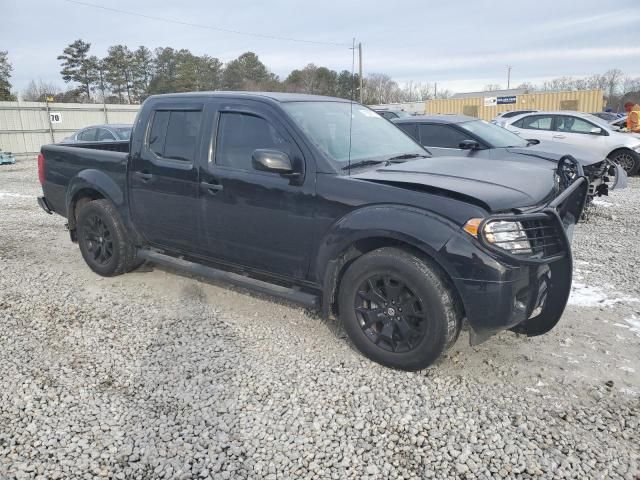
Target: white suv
pixel 582 129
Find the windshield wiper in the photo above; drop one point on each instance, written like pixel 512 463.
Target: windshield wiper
pixel 363 163
pixel 407 156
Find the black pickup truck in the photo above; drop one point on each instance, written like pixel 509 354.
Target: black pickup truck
pixel 321 201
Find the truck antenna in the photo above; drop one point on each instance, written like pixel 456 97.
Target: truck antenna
pixel 353 67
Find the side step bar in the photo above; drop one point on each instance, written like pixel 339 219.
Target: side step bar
pixel 306 299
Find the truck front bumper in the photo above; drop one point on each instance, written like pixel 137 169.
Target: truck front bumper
pixel 526 294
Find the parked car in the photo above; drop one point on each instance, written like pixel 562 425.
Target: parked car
pixel 321 201
pixel 6 158
pixel 391 114
pixel 501 118
pixel 101 133
pixel 606 116
pixel 460 135
pixel 581 129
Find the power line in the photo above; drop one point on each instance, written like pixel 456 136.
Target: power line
pixel 207 27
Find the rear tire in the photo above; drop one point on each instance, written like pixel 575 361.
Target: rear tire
pixel 397 310
pixel 103 239
pixel 627 159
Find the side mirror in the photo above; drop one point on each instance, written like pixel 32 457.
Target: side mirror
pixel 271 161
pixel 595 131
pixel 469 145
pixel 533 141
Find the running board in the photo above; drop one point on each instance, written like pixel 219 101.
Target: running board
pixel 306 299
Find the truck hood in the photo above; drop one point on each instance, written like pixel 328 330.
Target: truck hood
pixel 553 151
pixel 496 186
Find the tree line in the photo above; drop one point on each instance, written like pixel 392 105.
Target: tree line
pixel 127 75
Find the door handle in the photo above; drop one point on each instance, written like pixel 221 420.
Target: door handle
pixel 144 176
pixel 212 188
pixel 558 136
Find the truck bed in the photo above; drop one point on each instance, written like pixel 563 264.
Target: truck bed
pixel 77 162
pixel 121 146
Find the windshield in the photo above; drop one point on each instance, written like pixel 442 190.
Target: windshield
pixel 123 133
pixel 327 125
pixel 493 135
pixel 595 119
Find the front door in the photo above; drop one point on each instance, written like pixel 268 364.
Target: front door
pixel 163 178
pixel 578 131
pixel 252 218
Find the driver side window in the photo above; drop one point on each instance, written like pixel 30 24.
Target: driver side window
pixel 571 124
pixel 239 134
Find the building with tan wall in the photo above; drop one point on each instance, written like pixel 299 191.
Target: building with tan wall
pixel 487 105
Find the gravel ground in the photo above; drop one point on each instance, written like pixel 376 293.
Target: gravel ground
pixel 158 375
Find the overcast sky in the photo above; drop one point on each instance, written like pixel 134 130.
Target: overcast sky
pixel 461 44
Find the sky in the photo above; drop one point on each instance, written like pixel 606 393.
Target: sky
pixel 463 44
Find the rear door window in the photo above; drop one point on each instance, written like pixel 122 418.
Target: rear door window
pixel 88 135
pixel 536 122
pixel 105 135
pixel 440 136
pixel 174 134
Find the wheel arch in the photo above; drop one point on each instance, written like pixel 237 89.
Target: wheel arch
pixel 416 231
pixel 634 154
pixel 91 185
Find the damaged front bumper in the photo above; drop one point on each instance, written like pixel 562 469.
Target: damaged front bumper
pixel 524 293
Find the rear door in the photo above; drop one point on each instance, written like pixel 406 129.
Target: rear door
pixel 577 131
pixel 252 218
pixel 163 177
pixel 538 127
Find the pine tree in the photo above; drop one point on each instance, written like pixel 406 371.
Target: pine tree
pixel 79 67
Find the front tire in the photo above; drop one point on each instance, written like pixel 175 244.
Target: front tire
pixel 397 310
pixel 103 240
pixel 627 159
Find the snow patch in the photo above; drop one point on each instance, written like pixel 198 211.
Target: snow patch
pixel 583 295
pixel 634 323
pixel 603 203
pixel 15 195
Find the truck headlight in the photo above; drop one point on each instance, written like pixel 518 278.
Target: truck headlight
pixel 507 235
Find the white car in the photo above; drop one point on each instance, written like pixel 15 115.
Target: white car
pixel 502 118
pixel 582 129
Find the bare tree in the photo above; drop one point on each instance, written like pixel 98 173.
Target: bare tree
pixel 492 87
pixel 381 88
pixel 37 91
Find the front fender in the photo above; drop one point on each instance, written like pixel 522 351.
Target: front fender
pixel 423 230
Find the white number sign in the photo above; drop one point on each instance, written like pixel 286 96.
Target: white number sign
pixel 56 117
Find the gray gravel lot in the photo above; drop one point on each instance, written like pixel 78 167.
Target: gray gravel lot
pixel 158 375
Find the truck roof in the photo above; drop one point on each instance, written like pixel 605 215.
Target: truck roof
pixel 275 96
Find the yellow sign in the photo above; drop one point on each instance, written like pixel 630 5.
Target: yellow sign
pixel 49 98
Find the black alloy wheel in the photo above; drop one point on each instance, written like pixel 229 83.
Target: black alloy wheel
pixel 390 314
pixel 98 240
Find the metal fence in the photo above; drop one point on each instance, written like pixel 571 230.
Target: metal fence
pixel 25 126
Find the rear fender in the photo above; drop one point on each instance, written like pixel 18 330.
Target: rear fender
pixel 100 182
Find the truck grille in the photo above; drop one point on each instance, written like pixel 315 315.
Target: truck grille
pixel 544 237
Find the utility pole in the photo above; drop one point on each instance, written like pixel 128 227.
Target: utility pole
pixel 435 90
pixel 360 69
pixel 508 76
